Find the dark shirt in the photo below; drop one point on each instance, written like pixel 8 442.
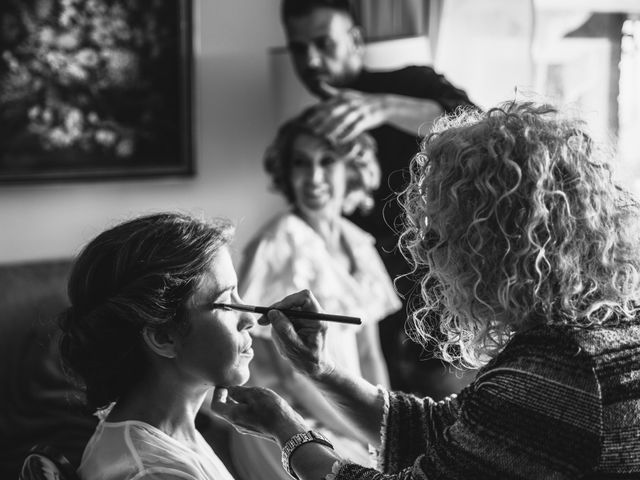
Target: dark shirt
pixel 559 402
pixel 396 148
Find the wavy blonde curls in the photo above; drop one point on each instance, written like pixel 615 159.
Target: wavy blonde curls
pixel 512 220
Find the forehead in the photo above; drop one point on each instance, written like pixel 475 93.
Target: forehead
pixel 219 277
pixel 307 143
pixel 320 22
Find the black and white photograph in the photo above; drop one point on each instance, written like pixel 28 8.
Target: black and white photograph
pixel 320 239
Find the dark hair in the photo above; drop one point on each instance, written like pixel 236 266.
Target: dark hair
pixel 136 274
pixel 359 155
pixel 515 220
pixel 300 8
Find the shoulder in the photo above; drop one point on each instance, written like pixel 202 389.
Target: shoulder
pixel 609 340
pixel 553 350
pixel 581 344
pixel 415 81
pixel 409 72
pixel 284 226
pixel 131 450
pixel 157 455
pixel 542 372
pixel 614 353
pixel 279 234
pixel 278 224
pixel 561 388
pixel 356 235
pixel 575 355
pixel 394 81
pixel 541 365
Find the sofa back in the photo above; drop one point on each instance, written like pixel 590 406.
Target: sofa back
pixel 39 404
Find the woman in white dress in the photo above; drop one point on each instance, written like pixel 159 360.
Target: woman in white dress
pixel 146 339
pixel 312 246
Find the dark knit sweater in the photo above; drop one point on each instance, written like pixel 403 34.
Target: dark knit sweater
pixel 556 403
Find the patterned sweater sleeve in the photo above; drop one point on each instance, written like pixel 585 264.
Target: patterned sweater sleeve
pixel 533 412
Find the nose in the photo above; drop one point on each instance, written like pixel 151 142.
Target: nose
pixel 316 174
pixel 312 57
pixel 247 321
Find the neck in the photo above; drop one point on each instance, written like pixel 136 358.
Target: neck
pixel 328 227
pixel 175 411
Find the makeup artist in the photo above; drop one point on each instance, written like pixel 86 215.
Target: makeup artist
pixel 312 246
pixel 527 246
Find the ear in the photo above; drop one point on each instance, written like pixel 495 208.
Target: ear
pixel 160 341
pixel 358 37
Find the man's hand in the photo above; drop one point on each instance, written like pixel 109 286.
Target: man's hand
pixel 348 113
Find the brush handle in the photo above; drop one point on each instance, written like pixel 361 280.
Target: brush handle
pixel 327 317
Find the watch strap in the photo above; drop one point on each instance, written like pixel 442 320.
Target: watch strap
pixel 298 440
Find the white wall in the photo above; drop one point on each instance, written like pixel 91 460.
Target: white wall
pixel 234 122
pixel 483 47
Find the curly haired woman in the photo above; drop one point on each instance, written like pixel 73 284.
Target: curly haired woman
pixel 520 235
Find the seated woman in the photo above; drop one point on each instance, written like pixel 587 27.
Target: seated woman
pixel 313 246
pixel 520 235
pixel 147 342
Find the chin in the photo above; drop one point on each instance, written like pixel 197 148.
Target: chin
pixel 316 88
pixel 240 378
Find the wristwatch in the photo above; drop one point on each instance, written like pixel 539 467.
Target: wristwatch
pixel 300 439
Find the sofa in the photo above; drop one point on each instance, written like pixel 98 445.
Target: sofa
pixel 39 404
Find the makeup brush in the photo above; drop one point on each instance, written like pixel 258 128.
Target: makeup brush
pixel 327 317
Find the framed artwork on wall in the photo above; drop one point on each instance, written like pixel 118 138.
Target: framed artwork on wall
pixel 95 89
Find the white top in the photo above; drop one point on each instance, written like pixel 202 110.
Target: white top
pixel 134 450
pixel 288 256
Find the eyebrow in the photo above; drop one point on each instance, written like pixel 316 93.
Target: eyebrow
pixel 219 292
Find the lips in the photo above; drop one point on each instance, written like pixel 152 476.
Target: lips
pixel 317 75
pixel 315 196
pixel 247 350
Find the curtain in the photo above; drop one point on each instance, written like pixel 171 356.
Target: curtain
pixel 384 19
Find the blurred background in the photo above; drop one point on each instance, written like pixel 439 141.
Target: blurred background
pixel 582 54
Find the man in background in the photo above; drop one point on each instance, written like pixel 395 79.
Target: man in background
pixel 397 108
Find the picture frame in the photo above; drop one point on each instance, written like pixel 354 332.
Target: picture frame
pixel 95 89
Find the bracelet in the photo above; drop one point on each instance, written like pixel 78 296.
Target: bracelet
pixel 297 440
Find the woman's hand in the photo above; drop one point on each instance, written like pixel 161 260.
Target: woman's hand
pixel 302 341
pixel 258 411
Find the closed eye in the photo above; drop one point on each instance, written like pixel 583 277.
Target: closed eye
pixel 328 160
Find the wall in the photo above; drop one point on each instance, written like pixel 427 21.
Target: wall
pixel 486 49
pixel 234 121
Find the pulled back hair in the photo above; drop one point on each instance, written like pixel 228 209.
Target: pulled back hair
pixel 137 274
pixel 513 220
pixel 360 156
pixel 301 8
